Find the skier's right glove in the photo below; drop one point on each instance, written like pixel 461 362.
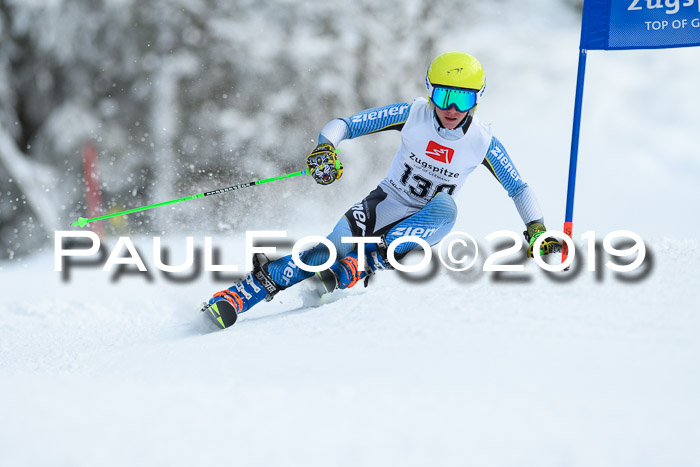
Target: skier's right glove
pixel 549 245
pixel 323 164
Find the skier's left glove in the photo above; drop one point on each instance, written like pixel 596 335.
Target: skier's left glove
pixel 323 164
pixel 549 245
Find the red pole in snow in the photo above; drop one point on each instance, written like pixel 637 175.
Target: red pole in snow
pixel 93 193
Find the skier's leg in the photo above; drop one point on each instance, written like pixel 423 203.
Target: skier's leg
pixel 433 222
pixel 375 211
pixel 346 272
pixel 269 278
pixel 286 273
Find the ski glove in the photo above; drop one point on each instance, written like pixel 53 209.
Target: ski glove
pixel 323 164
pixel 549 245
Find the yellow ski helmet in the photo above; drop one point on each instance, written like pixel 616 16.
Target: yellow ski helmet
pixel 455 79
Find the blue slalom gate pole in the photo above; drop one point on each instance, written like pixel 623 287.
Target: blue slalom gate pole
pixel 573 160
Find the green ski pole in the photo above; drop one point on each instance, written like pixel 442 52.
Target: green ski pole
pixel 82 221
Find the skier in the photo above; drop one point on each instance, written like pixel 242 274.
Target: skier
pixel 442 142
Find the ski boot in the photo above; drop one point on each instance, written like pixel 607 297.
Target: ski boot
pixel 225 306
pixel 345 272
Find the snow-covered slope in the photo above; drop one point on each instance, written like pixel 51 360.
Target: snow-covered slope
pixel 460 369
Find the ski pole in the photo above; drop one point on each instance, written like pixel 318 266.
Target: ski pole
pixel 82 221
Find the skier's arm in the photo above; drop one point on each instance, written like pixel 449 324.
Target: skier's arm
pixel 323 163
pixel 501 166
pixel 390 117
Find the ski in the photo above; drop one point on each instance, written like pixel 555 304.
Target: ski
pixel 326 282
pixel 222 313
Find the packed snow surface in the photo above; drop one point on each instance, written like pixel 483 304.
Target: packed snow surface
pixel 471 368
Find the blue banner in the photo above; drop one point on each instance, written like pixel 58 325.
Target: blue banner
pixel 640 24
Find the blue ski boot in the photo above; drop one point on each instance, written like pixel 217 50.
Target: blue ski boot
pixel 345 272
pixel 225 306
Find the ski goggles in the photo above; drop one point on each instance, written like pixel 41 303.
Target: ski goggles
pixel 462 99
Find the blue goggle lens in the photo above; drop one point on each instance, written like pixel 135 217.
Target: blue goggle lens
pixel 462 99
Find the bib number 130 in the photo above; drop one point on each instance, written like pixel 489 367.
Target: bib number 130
pixel 422 187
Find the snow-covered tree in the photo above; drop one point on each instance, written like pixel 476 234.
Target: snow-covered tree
pixel 182 96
